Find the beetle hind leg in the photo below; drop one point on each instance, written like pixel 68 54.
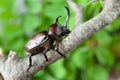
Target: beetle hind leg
pixel 44 53
pixel 30 62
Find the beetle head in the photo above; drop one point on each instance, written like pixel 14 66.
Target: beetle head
pixel 54 28
pixel 57 29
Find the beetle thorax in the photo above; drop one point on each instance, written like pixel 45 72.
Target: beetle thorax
pixel 52 29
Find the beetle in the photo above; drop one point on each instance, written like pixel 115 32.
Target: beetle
pixel 57 31
pixel 44 40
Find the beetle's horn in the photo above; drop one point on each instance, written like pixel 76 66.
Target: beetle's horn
pixel 57 18
pixel 67 18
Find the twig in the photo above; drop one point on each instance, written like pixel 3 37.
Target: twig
pixel 78 11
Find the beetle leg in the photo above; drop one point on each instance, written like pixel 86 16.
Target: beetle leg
pixel 30 62
pixel 45 57
pixel 60 53
pixel 57 45
pixel 57 48
pixel 44 53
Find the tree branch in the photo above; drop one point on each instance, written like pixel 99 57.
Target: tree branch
pixel 78 11
pixel 15 68
pixel 1 53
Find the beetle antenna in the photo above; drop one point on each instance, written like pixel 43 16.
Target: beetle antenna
pixel 67 18
pixel 57 23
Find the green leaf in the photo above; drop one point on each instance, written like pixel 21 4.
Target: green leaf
pixel 98 73
pixel 39 74
pixel 71 70
pixel 58 69
pixel 83 2
pixel 104 56
pixel 12 32
pixel 1 30
pixel 79 57
pixel 34 6
pixel 31 22
pixel 115 24
pixel 91 10
pixel 104 38
pixel 54 1
pixel 52 11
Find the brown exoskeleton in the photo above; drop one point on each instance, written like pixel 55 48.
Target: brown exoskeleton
pixel 44 40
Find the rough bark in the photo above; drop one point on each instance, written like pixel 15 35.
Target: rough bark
pixel 14 68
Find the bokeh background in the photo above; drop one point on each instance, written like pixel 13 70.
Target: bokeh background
pixel 95 59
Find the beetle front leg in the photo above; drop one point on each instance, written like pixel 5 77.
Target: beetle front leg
pixel 30 58
pixel 57 48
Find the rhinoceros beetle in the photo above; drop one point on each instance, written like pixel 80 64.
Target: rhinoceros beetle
pixel 44 40
pixel 56 31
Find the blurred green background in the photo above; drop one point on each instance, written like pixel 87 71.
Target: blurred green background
pixel 94 59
